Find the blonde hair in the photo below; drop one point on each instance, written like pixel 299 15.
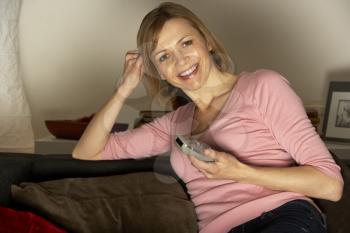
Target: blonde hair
pixel 147 38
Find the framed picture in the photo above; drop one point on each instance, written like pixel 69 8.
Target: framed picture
pixel 336 125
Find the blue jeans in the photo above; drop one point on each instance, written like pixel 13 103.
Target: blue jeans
pixel 298 216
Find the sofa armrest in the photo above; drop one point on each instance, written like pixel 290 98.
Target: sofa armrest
pixel 46 168
pixel 17 168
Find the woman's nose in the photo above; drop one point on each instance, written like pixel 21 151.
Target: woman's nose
pixel 181 58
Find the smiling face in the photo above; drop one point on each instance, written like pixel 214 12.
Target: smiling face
pixel 182 55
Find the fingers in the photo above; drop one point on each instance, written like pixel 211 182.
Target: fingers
pixel 216 155
pixel 210 153
pixel 208 167
pixel 202 165
pixel 133 58
pixel 132 55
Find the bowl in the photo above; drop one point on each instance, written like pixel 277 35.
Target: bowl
pixel 66 129
pixel 73 129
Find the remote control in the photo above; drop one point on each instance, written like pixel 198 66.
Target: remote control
pixel 193 147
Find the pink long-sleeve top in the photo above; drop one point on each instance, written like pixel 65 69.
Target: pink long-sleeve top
pixel 263 123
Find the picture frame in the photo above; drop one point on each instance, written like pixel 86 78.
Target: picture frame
pixel 336 124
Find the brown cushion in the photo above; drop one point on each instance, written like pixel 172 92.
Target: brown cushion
pixel 137 202
pixel 337 213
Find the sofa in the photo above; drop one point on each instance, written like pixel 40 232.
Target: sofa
pixel 56 193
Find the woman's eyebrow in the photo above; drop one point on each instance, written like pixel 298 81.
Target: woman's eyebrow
pixel 156 53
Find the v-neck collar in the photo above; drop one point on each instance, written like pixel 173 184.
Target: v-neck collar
pixel 218 116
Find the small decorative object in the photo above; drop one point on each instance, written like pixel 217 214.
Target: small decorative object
pixel 336 125
pixel 313 116
pixel 73 129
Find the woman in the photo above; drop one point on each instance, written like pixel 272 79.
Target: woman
pixel 269 161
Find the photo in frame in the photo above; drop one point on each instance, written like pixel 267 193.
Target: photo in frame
pixel 336 124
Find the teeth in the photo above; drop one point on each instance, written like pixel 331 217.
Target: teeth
pixel 189 71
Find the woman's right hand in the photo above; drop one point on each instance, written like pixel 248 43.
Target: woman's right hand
pixel 132 73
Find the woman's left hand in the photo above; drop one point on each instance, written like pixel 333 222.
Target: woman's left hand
pixel 304 179
pixel 226 166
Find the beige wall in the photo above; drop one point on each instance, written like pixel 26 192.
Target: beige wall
pixel 72 51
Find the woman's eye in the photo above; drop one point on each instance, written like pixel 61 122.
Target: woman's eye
pixel 163 57
pixel 187 43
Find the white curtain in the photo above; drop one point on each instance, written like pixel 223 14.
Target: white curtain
pixel 16 134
